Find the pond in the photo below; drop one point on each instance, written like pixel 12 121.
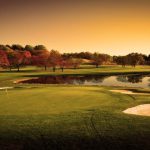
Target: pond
pixel 134 80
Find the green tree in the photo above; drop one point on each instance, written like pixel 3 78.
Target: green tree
pixel 135 59
pixel 17 47
pixel 40 47
pixel 29 48
pixel 4 47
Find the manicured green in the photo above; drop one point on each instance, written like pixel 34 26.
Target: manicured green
pixel 69 117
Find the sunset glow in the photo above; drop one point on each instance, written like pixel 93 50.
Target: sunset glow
pixel 106 26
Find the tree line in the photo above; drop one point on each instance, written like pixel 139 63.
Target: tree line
pixel 16 56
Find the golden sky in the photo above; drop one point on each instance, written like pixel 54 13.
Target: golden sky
pixel 115 27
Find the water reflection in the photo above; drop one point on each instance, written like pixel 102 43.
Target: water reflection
pixel 119 80
pixel 130 78
pixel 66 79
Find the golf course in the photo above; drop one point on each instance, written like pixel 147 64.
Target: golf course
pixel 75 75
pixel 71 117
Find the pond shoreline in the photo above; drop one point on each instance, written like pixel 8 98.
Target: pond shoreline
pixel 95 74
pixel 123 80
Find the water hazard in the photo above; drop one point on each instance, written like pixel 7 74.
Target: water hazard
pixel 134 80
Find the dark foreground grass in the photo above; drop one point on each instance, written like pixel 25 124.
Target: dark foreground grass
pixel 71 118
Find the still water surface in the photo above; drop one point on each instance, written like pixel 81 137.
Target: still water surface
pixel 134 80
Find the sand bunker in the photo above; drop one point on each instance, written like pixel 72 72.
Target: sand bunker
pixel 20 80
pixel 129 92
pixel 143 110
pixel 5 88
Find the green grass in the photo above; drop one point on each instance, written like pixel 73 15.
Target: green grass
pixel 57 117
pixel 53 100
pixel 64 116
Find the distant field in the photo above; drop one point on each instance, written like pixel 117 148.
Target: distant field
pixel 67 117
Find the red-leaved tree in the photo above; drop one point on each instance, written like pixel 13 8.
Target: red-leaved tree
pixel 54 59
pixel 3 59
pixel 18 59
pixel 41 59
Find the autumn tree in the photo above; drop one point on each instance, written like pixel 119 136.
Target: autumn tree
pixel 54 59
pixel 75 62
pixel 18 59
pixel 62 64
pixel 26 58
pixel 41 59
pixel 3 59
pixel 99 59
pixel 65 63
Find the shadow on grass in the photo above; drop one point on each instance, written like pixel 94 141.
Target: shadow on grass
pixel 93 139
pixel 61 142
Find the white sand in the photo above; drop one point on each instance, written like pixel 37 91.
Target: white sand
pixel 5 88
pixel 143 110
pixel 20 80
pixel 128 92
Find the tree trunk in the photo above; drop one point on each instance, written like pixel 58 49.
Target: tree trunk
pixel 45 68
pixel 54 69
pixel 18 68
pixel 9 68
pixel 133 65
pixel 62 69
